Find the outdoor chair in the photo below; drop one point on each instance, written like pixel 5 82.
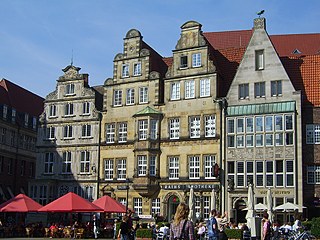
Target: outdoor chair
pixel 79 233
pixel 46 232
pixel 67 232
pixel 29 232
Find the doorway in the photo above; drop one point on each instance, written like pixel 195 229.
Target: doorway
pixel 173 203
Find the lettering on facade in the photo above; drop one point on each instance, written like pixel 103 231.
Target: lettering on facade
pixel 188 186
pixel 277 192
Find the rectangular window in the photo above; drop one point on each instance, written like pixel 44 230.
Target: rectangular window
pixel 34 122
pixel 174 128
pixel 288 122
pixel 259 59
pixel 121 169
pixel 259 124
pixel 259 89
pixel 86 108
pixel 231 141
pixel 125 70
pixel 259 174
pixel 175 91
pixel 86 130
pixel 69 109
pixel 23 168
pixel 194 126
pixel 142 165
pixel 240 140
pixel 5 111
pixel 279 139
pixel 43 191
pixel 153 129
pixel 66 164
pixel 143 129
pixel 276 88
pixel 85 162
pixel 194 167
pixel 137 206
pixel 231 171
pixel 117 98
pixel 52 111
pixel 278 122
pixel 108 169
pixel 269 139
pixel 110 133
pixel 209 163
pixel 244 91
pixel 249 171
pixel 249 140
pixel 249 124
pixel 196 60
pixel 313 133
pixel 67 131
pixel 269 123
pixel 184 62
pixel 240 125
pixel 130 96
pixel 13 115
pixel 289 173
pixel 189 89
pixel 269 173
pixel 206 207
pixel 143 95
pixel 153 164
pixel 70 89
pixel 205 87
pixel 155 206
pixel 240 174
pixel 48 162
pixel 10 166
pixel 210 126
pixel 173 167
pixel 313 175
pixel 123 132
pixel 279 173
pixel 259 140
pixel 137 69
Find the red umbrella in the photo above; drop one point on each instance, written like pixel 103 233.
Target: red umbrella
pixel 110 205
pixel 20 203
pixel 70 202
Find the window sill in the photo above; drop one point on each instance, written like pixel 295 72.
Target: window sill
pixel 67 138
pixel 69 94
pixel 86 137
pixel 69 116
pixel 84 114
pixel 52 117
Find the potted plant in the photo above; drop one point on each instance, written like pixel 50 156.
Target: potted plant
pixel 144 233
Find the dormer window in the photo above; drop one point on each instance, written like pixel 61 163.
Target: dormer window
pixel 125 70
pixel 137 69
pixel 259 60
pixel 183 62
pixel 296 51
pixel 70 89
pixel 196 60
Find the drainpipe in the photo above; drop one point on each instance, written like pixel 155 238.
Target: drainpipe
pixel 99 149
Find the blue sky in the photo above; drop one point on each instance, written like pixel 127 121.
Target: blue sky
pixel 37 37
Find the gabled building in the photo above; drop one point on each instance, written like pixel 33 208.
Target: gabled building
pixel 68 140
pixel 19 112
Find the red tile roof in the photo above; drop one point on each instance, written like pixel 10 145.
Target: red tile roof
pixel 20 99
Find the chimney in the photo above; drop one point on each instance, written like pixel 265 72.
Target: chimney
pixel 259 23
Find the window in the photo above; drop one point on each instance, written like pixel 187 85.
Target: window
pixel 13 115
pixel 66 164
pixel 137 205
pixel 204 87
pixel 108 169
pixel 189 89
pixel 23 168
pixel 240 125
pixel 194 167
pixel 137 69
pixel 231 170
pixel 259 89
pixel 86 108
pixel 276 88
pixel 209 163
pixel 173 167
pixel 259 174
pixel 278 122
pixel 249 140
pixel 143 95
pixel 249 124
pixel 125 70
pixel 269 173
pixel 259 140
pixel 240 174
pixel 313 175
pixel 259 58
pixel 249 172
pixel 153 164
pixel 269 139
pixel 231 130
pixel 48 162
pixel 313 133
pixel 279 173
pixel 196 60
pixel 142 165
pixel 243 91
pixel 123 132
pixel 110 133
pixel 174 128
pixel 143 129
pixel 194 127
pixel 279 139
pixel 121 169
pixel 210 126
pixel 85 162
pixel 206 207
pixel 269 123
pixel 155 206
pixel 153 129
pixel 70 89
pixel 67 131
pixel 183 62
pixel 86 130
pixel 130 96
pixel 5 111
pixel 43 194
pixel 26 120
pixel 69 109
pixel 289 173
pixel 117 97
pixel 52 111
pixel 175 91
pixel 240 141
pixel 10 166
pixel 259 124
pixel 51 133
pixel 34 122
pixel 3 133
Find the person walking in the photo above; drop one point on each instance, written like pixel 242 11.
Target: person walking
pixel 124 229
pixel 95 226
pixel 266 227
pixel 181 227
pixel 212 226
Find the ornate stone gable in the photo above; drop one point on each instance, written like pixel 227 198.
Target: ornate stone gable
pixel 191 36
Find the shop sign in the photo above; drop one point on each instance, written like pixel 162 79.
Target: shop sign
pixel 188 186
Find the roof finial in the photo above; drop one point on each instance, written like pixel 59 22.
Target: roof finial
pixel 260 13
pixel 72 58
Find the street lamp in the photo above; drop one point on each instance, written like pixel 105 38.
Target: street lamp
pixel 127 188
